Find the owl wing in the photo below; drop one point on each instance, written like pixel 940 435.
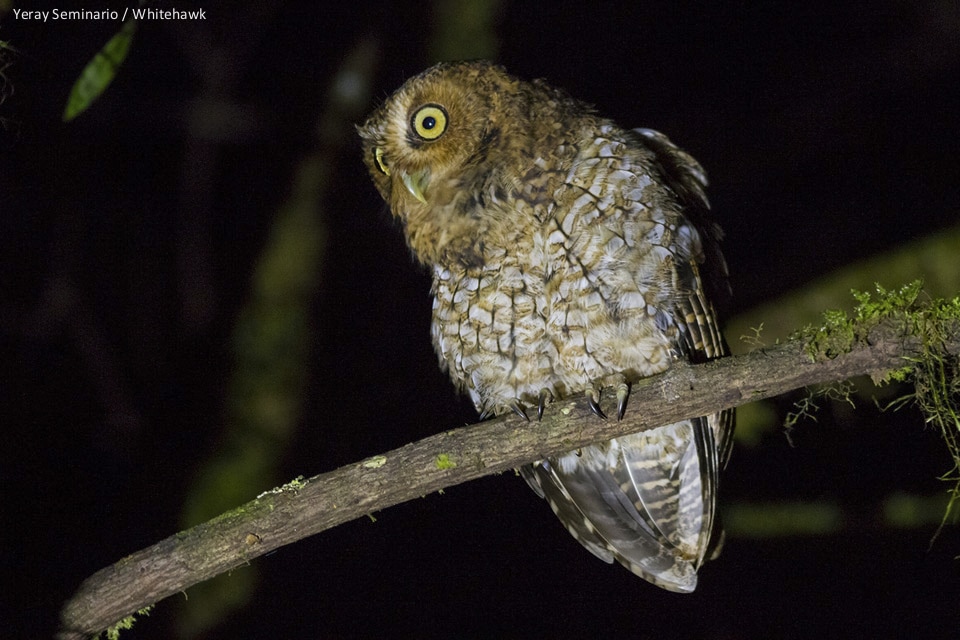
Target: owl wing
pixel 645 508
pixel 648 500
pixel 699 338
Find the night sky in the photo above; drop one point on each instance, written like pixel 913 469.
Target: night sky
pixel 130 238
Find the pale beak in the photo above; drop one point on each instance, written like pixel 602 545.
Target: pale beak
pixel 414 183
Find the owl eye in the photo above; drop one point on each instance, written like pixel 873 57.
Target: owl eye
pixel 429 122
pixel 381 161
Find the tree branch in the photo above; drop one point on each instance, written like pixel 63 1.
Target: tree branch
pixel 303 508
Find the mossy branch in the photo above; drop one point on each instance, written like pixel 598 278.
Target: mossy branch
pixel 875 343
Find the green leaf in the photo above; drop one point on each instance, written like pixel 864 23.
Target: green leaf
pixel 99 72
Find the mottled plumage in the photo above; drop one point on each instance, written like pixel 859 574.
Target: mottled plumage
pixel 567 254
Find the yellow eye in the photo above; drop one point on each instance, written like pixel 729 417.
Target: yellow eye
pixel 429 122
pixel 381 161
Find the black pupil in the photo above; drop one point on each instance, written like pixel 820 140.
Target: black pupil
pixel 429 122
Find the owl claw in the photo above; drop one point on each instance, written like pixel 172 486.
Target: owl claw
pixel 623 392
pixel 595 407
pixel 542 403
pixel 518 409
pixel 593 399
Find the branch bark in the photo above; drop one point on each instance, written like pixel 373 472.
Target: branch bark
pixel 307 507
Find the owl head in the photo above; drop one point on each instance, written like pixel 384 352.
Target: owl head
pixel 425 137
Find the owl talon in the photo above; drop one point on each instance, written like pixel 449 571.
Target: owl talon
pixel 518 409
pixel 623 392
pixel 542 403
pixel 595 407
pixel 593 399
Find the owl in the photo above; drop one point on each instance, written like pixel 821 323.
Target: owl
pixel 568 255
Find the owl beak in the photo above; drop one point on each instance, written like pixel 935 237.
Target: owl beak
pixel 415 182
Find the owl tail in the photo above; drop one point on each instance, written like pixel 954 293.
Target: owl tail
pixel 645 500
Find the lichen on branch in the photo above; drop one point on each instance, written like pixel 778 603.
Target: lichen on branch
pixel 933 371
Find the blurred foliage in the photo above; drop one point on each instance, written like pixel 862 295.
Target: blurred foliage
pixel 932 260
pixel 99 72
pixel 464 30
pixel 754 421
pixel 271 347
pixel 905 511
pixel 770 520
pixel 271 350
pixel 775 520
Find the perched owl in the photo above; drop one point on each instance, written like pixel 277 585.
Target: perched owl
pixel 567 254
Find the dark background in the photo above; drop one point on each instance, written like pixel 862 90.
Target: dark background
pixel 829 131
